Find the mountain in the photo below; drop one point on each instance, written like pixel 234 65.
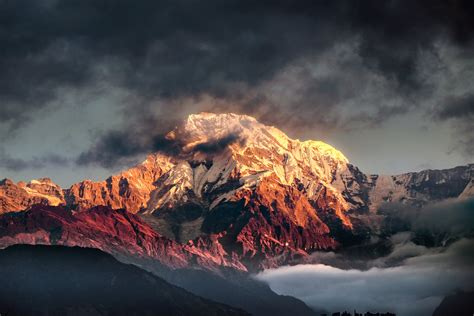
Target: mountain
pixel 459 304
pixel 239 290
pixel 117 232
pixel 20 196
pixel 204 269
pixel 368 193
pixel 224 196
pixel 54 280
pixel 260 197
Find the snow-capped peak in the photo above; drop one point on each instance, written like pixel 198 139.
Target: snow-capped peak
pixel 208 127
pixel 240 146
pixel 203 123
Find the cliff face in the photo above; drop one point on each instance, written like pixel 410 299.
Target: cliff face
pixel 130 189
pixel 19 196
pixel 366 193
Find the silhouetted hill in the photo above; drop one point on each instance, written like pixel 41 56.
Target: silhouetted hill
pixel 56 280
pixel 459 304
pixel 239 290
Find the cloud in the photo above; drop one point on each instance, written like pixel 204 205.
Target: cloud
pixel 460 111
pixel 164 49
pixel 457 107
pixel 455 217
pixel 414 288
pixel 123 147
pixel 215 145
pixel 338 64
pixel 19 164
pixel 441 221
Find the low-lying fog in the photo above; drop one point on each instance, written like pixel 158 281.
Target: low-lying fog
pixel 411 280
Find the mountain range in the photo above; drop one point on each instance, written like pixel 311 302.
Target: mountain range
pixel 245 192
pixel 223 195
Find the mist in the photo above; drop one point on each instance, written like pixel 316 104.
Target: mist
pixel 415 286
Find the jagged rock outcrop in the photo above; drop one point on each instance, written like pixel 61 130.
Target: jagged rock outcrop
pixel 20 196
pixel 129 189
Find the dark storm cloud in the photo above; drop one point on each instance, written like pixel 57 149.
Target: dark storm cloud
pixel 231 51
pixel 218 144
pixel 459 110
pixel 115 148
pixel 123 147
pixel 457 107
pixel 434 225
pixel 17 164
pixel 452 217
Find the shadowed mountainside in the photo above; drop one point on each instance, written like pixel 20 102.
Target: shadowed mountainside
pixel 53 280
pixel 459 304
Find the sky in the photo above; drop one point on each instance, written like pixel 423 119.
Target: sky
pixel 388 83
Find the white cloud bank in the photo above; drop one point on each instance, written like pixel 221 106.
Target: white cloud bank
pixel 414 288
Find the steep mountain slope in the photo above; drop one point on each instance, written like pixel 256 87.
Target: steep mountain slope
pixel 253 153
pixel 238 290
pixel 203 268
pixel 117 232
pixel 130 189
pixel 459 304
pixel 47 280
pixel 252 185
pixel 368 193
